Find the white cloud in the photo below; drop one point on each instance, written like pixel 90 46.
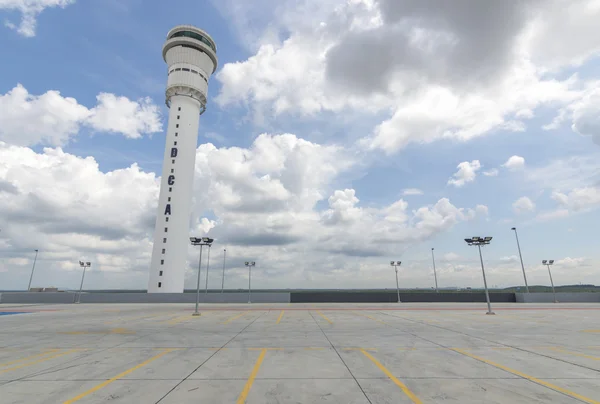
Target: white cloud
pixel 552 215
pixel 569 262
pixel 509 259
pixel 430 83
pixel 514 163
pixel 411 191
pixel 467 171
pixel 29 10
pixel 579 199
pixel 491 173
pixel 451 256
pixel 523 205
pixel 51 119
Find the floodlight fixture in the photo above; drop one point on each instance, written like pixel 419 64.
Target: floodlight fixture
pixel 513 228
pixel 476 238
pixel 396 264
pixel 90 264
pixel 487 239
pixel 551 262
pixel 392 263
pixel 544 262
pixel 246 263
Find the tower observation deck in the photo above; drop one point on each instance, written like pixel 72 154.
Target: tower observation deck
pixel 191 57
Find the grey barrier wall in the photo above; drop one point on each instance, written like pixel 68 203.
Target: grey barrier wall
pixel 65 297
pixel 466 297
pixel 562 297
pixel 343 297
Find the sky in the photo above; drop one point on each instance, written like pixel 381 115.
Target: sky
pixel 339 135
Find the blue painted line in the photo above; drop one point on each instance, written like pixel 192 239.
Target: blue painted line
pixel 8 313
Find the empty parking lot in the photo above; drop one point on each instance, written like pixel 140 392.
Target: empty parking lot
pixel 296 353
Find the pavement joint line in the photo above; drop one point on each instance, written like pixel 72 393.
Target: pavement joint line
pixel 340 356
pixel 26 364
pixel 551 386
pixel 393 378
pixel 322 315
pixel 117 377
pixel 280 317
pixel 230 319
pixel 488 341
pixel 207 359
pixel 244 394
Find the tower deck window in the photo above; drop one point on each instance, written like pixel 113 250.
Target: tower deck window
pixel 162 262
pixel 163 250
pixel 160 273
pixel 196 36
pixel 159 284
pixel 164 240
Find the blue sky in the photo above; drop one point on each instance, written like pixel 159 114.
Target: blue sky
pixel 320 117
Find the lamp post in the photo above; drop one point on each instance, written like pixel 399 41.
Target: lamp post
pixel 223 277
pixel 548 263
pixel 207 265
pixel 482 241
pixel 250 265
pixel 434 271
pixel 84 265
pixel 396 264
pixel 521 257
pixel 201 242
pixel 32 269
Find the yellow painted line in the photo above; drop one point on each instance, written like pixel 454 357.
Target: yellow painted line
pixel 117 377
pixel 393 378
pixel 47 358
pixel 268 349
pixel 244 394
pixel 576 353
pixel 128 319
pixel 530 378
pixel 229 320
pixel 180 319
pixel 111 331
pixel 322 315
pixel 372 318
pixel 501 348
pixel 48 352
pixel 360 349
pixel 280 317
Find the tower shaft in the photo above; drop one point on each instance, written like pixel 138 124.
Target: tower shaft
pixel 191 57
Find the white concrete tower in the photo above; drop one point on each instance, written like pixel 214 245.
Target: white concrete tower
pixel 191 55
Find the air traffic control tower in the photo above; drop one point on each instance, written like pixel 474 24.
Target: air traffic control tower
pixel 191 56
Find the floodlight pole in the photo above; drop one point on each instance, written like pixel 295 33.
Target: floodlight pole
pixel 397 285
pixel 487 294
pixel 196 313
pixel 84 265
pixel 207 265
pixel 521 257
pixel 223 277
pixel 434 271
pixel 551 282
pixel 32 269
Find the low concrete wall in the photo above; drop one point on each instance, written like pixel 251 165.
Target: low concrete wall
pixel 64 297
pixel 456 297
pixel 343 297
pixel 561 297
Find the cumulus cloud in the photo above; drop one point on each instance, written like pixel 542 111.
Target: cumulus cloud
pixel 579 199
pixel 263 196
pixel 514 163
pixel 456 72
pixel 467 171
pixel 523 205
pixel 52 119
pixel 30 9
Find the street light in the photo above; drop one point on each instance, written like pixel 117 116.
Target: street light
pixel 223 278
pixel 201 242
pixel 521 257
pixel 207 265
pixel 396 264
pixel 434 272
pixel 250 265
pixel 548 263
pixel 84 265
pixel 479 241
pixel 32 269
